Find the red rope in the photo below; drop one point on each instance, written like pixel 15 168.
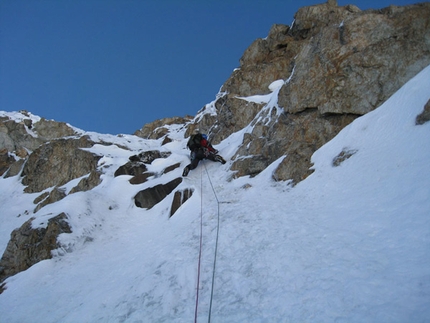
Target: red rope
pixel 200 248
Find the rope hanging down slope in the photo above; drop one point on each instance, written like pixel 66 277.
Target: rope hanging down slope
pixel 201 244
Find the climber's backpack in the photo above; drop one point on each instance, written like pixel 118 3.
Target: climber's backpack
pixel 194 141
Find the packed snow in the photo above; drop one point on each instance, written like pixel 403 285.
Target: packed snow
pixel 349 244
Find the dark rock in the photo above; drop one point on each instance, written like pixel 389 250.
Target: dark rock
pixel 131 168
pixel 28 246
pixel 153 195
pixel 424 116
pixel 140 178
pixel 166 140
pixel 136 166
pixel 41 197
pixel 54 196
pixel 180 198
pixel 147 157
pixel 171 168
pixel 15 168
pixel 87 183
pixel 343 155
pixel 6 161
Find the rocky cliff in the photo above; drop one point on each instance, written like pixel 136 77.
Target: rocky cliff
pixel 335 64
pixel 292 93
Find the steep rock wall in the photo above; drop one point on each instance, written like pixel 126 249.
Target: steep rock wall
pixel 337 63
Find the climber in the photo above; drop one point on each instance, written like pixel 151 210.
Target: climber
pixel 200 148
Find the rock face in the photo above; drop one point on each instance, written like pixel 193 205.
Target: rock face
pixel 337 63
pixel 28 246
pixel 14 135
pixel 137 166
pixel 356 59
pixel 58 162
pixel 29 135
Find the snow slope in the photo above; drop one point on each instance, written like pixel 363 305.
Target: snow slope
pixel 349 244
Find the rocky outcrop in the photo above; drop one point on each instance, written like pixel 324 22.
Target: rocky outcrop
pixel 131 168
pixel 337 63
pixel 50 129
pixel 14 168
pixel 15 143
pixel 28 245
pixel 29 135
pixel 17 135
pixel 147 157
pixel 158 129
pixel 171 168
pixel 47 154
pixel 143 177
pixel 149 197
pixel 87 183
pixel 356 59
pixel 140 178
pixel 6 160
pixel 58 162
pixel 424 116
pixel 18 139
pixel 305 132
pixel 137 168
pixel 343 155
pixel 179 199
pixel 46 198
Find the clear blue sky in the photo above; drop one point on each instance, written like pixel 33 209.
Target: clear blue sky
pixel 112 66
